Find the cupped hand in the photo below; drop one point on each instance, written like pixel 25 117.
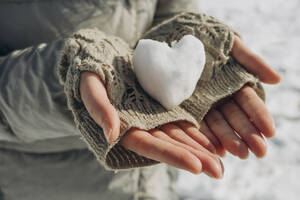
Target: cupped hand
pixel 178 144
pixel 242 122
pixel 237 125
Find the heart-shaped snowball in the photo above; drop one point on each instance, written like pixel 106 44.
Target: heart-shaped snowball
pixel 169 74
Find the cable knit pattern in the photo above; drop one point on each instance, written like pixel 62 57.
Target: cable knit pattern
pixel 110 58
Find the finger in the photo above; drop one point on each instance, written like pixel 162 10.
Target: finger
pixel 256 110
pixel 253 63
pixel 196 135
pixel 226 135
pixel 148 146
pixel 212 166
pixel 242 125
pixel 178 134
pixel 94 97
pixel 206 131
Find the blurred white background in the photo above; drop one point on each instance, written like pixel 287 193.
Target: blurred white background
pixel 271 28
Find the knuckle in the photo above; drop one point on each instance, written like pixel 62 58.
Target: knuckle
pixel 168 127
pixel 245 94
pixel 227 139
pixel 239 148
pixel 154 131
pixel 231 111
pixel 215 118
pixel 185 124
pixel 246 129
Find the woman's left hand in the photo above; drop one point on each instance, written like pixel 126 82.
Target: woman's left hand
pixel 241 122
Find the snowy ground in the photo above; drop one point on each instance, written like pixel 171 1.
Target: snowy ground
pixel 271 28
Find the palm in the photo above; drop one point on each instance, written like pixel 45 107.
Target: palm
pixel 180 145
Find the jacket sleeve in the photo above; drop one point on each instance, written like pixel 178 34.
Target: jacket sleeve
pixel 167 8
pixel 32 102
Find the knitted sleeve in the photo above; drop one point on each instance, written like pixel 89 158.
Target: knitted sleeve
pixel 110 58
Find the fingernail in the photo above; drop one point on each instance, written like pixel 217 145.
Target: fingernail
pixel 222 166
pixel 218 172
pixel 107 134
pixel 274 129
pixel 198 168
pixel 274 126
pixel 220 169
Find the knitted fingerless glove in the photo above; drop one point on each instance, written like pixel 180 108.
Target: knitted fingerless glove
pixel 110 58
pixel 222 75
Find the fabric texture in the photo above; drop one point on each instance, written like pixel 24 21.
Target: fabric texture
pixel 33 109
pixel 41 93
pixel 76 175
pixel 32 22
pixel 222 75
pixel 167 8
pixel 110 58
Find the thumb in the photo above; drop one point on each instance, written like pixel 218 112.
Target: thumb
pixel 95 99
pixel 253 63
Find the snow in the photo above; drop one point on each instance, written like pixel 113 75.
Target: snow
pixel 271 28
pixel 169 74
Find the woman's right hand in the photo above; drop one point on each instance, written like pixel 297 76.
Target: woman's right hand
pixel 178 144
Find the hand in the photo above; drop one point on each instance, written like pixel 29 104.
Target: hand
pixel 178 144
pixel 241 122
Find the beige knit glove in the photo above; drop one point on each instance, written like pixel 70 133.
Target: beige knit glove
pixel 222 75
pixel 110 58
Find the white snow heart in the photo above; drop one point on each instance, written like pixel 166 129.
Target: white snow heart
pixel 169 74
